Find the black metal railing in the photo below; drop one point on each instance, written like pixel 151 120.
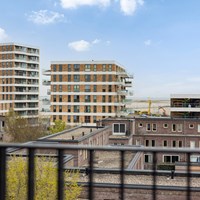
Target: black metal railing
pixel 6 149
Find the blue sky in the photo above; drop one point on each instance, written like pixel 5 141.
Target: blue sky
pixel 156 40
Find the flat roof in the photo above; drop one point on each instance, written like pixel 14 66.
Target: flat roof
pixel 185 96
pixel 76 133
pixel 18 44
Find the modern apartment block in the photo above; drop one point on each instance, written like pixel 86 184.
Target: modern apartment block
pixel 185 105
pixel 19 79
pixel 83 92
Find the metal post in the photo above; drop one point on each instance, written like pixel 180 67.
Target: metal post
pixel 188 176
pixel 122 175
pixel 3 173
pixel 91 174
pixel 31 174
pixel 154 175
pixel 60 189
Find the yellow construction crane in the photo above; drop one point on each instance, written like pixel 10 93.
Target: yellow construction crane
pixel 149 107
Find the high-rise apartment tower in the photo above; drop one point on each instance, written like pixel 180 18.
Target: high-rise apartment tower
pixel 83 92
pixel 19 79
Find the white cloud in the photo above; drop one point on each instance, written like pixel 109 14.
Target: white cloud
pixel 96 41
pixel 80 45
pixel 3 35
pixel 147 42
pixel 72 4
pixel 45 17
pixel 83 45
pixel 128 7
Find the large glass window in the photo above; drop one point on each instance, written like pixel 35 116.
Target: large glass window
pixel 87 68
pixel 87 78
pixel 76 88
pixel 87 88
pixel 76 67
pixel 119 128
pixel 76 78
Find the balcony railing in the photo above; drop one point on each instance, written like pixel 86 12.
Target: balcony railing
pixel 152 189
pixel 185 105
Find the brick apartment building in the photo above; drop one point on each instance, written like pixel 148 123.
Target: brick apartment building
pixel 19 79
pixel 84 92
pixel 167 133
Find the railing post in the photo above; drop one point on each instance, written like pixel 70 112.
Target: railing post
pixel 122 175
pixel 60 189
pixel 91 174
pixel 154 174
pixel 31 174
pixel 3 173
pixel 188 176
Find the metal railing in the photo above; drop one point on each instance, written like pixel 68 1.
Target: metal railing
pixel 6 149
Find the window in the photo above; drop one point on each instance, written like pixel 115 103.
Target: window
pixel 87 98
pixel 54 68
pixel 165 125
pixel 69 118
pixel 110 68
pixel 119 129
pixel 95 78
pixel 94 121
pixel 165 143
pixel 104 78
pixel 109 98
pixel 54 78
pixel 87 119
pixel 76 78
pixel 104 68
pixel 76 88
pixel 94 98
pixel 54 88
pixel 87 88
pixel 103 99
pixel 154 127
pixel 198 128
pixel 180 144
pixel 60 108
pixel 147 158
pixel 110 78
pixel 60 117
pixel 87 109
pixel 69 68
pixel 153 143
pixel 54 118
pixel 69 98
pixel 54 108
pixel 87 68
pixel 76 119
pixel 109 109
pixel 173 143
pixel 69 78
pixel 110 88
pixel 103 109
pixel 173 127
pixel 76 67
pixel 94 109
pixel 95 68
pixel 104 88
pixel 76 109
pixel 148 127
pixel 76 98
pixel 94 88
pixel 69 88
pixel 60 88
pixel 140 125
pixel 146 143
pixel 54 98
pixel 87 78
pixel 60 78
pixel 68 108
pixel 60 68
pixel 191 126
pixel 170 159
pixel 60 98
